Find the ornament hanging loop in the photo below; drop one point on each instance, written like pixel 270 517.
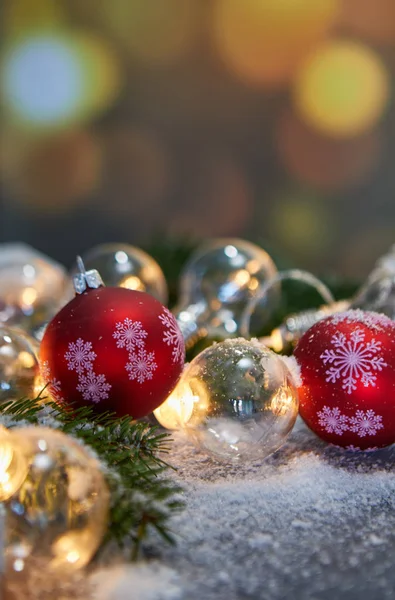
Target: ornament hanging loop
pixel 86 279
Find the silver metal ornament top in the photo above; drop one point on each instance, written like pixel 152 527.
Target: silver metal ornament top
pixel 86 279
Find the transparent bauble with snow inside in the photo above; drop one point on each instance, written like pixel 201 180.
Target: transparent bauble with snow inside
pixel 237 400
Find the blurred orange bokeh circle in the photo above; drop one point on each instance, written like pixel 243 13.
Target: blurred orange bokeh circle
pixel 263 41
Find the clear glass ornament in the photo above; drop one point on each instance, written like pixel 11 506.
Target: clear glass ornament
pixel 60 512
pixel 122 265
pixel 19 368
pixel 237 400
pixel 291 330
pixel 32 288
pixel 217 283
pixel 13 465
pixel 378 292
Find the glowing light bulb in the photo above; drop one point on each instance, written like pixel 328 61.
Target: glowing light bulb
pixel 217 283
pixel 122 265
pixel 13 464
pixel 183 403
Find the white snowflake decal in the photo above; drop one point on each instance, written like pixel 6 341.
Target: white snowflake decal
pixel 141 366
pixel 80 356
pixel 172 336
pixel 332 420
pixel 55 389
pixel 45 371
pixel 93 387
pixel 353 359
pixel 53 384
pixel 366 423
pixel 129 334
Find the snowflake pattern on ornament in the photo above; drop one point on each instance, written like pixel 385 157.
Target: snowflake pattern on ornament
pixel 353 359
pixel 93 387
pixel 53 384
pixel 172 336
pixel 366 423
pixel 130 334
pixel 141 366
pixel 141 363
pixel 80 356
pixel 332 420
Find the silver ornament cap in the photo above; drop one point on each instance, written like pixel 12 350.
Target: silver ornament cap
pixel 86 279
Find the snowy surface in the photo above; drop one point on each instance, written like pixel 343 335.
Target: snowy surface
pixel 312 522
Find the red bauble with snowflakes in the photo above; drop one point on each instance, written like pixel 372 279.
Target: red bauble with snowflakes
pixel 115 349
pixel 347 396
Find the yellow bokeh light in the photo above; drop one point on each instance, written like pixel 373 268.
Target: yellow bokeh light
pixel 263 42
pixel 343 89
pixel 158 33
pixel 102 72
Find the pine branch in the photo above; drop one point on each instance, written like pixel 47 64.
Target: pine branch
pixel 142 499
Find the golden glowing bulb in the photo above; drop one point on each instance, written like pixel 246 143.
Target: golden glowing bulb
pixel 187 404
pixel 177 409
pixel 343 89
pixel 13 466
pixel 29 296
pixel 283 401
pixel 242 277
pixel 132 282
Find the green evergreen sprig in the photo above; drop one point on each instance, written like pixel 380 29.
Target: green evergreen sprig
pixel 142 498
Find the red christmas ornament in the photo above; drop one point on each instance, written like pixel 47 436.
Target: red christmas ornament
pixel 115 349
pixel 347 396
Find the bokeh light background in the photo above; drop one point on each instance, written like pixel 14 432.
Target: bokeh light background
pixel 126 120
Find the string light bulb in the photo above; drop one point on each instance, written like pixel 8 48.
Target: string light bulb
pixel 237 400
pixel 13 464
pixel 216 284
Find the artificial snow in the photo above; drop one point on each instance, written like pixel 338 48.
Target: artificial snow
pixel 375 321
pixel 312 522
